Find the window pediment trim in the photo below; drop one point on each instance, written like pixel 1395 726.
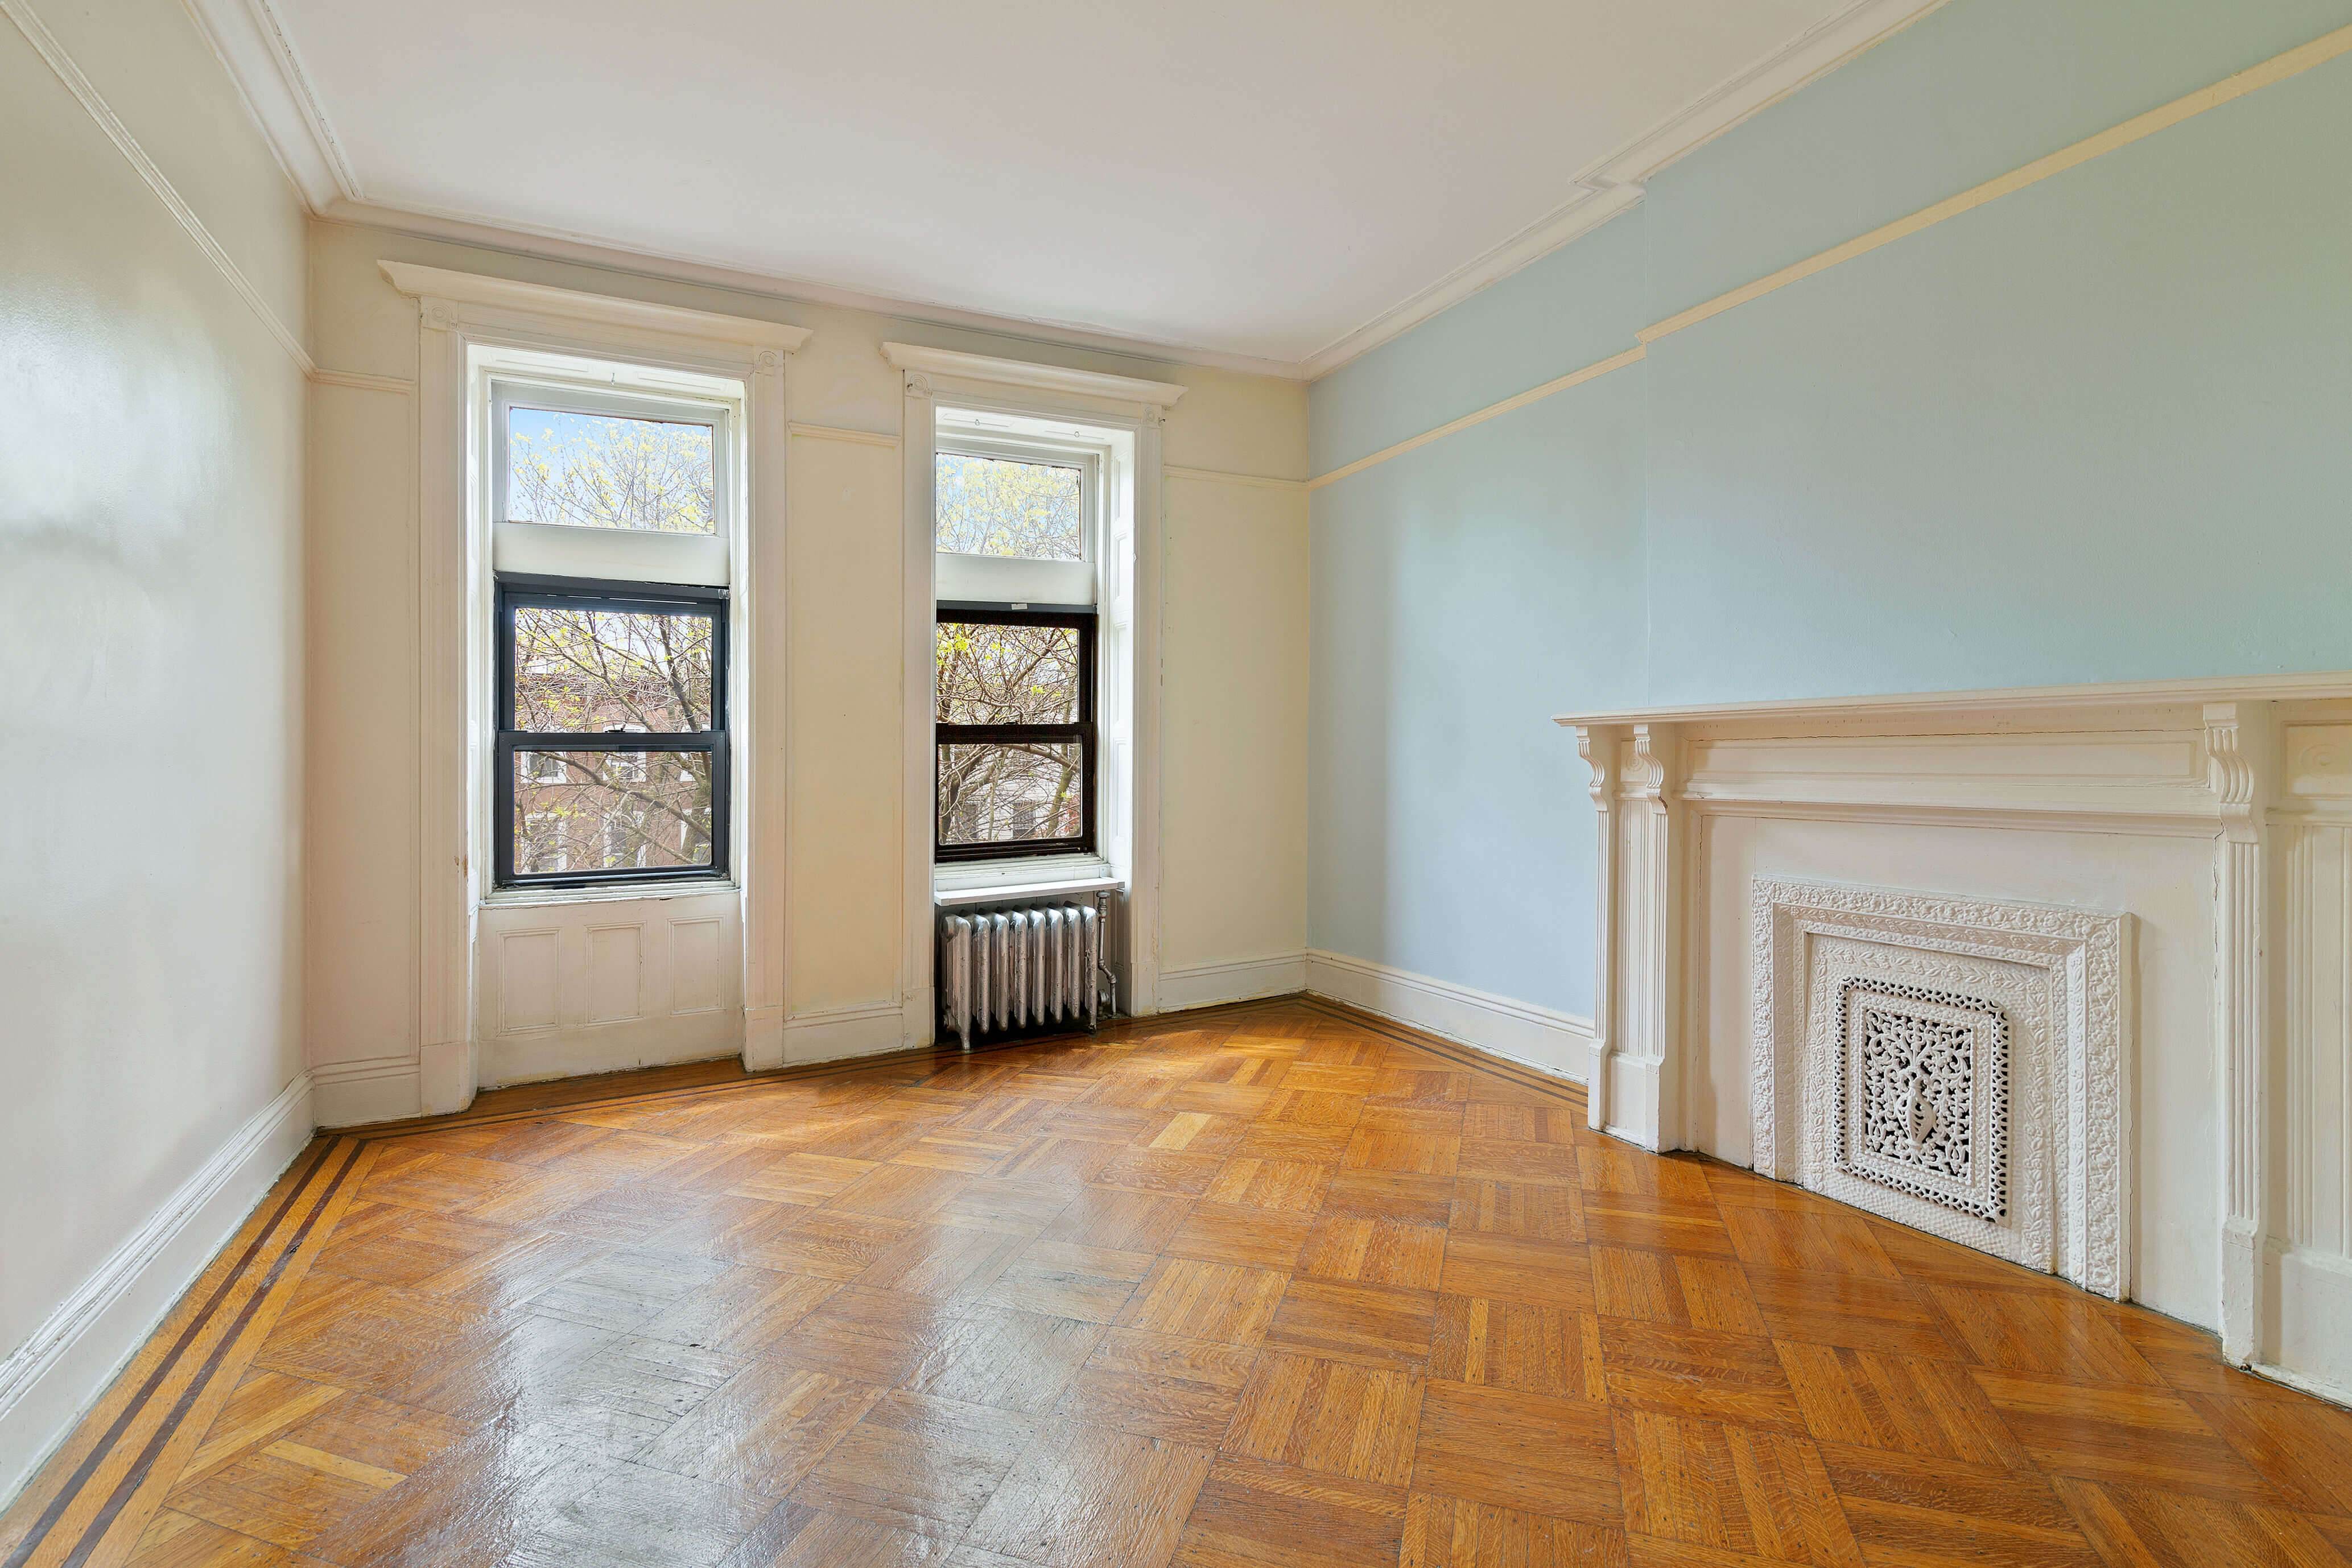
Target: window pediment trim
pixel 505 294
pixel 986 371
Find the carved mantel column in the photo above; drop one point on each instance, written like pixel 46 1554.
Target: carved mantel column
pixel 1598 745
pixel 1635 1084
pixel 2241 768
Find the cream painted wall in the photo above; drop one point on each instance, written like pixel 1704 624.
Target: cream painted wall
pixel 1233 663
pixel 1232 723
pixel 843 915
pixel 150 693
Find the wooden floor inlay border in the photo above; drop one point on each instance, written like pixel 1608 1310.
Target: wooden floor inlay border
pixel 77 1503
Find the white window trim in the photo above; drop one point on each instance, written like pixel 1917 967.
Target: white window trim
pixel 457 312
pixel 1129 599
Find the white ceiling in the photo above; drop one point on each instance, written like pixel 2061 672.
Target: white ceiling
pixel 1279 184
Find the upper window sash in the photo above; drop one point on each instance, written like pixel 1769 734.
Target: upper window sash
pixel 509 393
pixel 964 578
pixel 1087 462
pixel 539 548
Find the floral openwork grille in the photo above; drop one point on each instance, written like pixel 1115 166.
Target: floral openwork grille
pixel 1923 1094
pixel 1917 1090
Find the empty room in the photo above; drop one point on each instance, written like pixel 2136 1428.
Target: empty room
pixel 1496 785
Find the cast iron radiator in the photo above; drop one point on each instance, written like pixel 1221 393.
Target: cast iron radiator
pixel 1013 968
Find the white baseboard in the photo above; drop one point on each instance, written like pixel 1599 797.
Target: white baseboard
pixel 2318 1388
pixel 393 1089
pixel 589 1051
pixel 374 1089
pixel 47 1382
pixel 1242 980
pixel 845 1032
pixel 448 1072
pixel 763 1038
pixel 2313 1295
pixel 1557 1043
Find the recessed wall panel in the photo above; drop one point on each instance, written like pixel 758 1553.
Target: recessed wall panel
pixel 526 981
pixel 615 973
pixel 694 966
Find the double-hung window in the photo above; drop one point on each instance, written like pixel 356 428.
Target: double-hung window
pixel 1015 729
pixel 611 513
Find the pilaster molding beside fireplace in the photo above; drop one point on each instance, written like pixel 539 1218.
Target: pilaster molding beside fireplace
pixel 2173 858
pixel 1597 744
pixel 2241 749
pixel 1643 1098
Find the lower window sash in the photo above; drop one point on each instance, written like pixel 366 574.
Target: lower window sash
pixel 594 818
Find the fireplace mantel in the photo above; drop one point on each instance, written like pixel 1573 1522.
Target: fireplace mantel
pixel 1811 713
pixel 2216 813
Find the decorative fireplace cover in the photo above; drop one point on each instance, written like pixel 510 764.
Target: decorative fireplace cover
pixel 1958 1065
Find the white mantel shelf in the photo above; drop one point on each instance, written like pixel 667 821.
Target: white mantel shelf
pixel 2324 686
pixel 2215 812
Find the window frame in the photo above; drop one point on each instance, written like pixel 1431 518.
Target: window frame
pixel 515 590
pixel 1084 732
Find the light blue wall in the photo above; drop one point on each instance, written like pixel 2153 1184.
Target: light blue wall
pixel 1969 93
pixel 1583 302
pixel 1446 621
pixel 2100 428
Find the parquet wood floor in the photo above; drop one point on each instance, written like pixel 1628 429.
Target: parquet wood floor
pixel 1275 1287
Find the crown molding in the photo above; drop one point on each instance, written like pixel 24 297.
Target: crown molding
pixel 251 41
pixel 1032 377
pixel 85 92
pixel 2279 68
pixel 1615 183
pixel 1815 53
pixel 459 228
pixel 1579 216
pixel 539 299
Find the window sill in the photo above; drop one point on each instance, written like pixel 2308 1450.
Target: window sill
pixel 993 881
pixel 969 898
pixel 614 893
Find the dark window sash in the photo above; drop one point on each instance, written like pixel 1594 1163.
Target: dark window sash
pixel 671 595
pixel 516 590
pixel 1013 734
pixel 1083 733
pixel 613 740
pixel 713 743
